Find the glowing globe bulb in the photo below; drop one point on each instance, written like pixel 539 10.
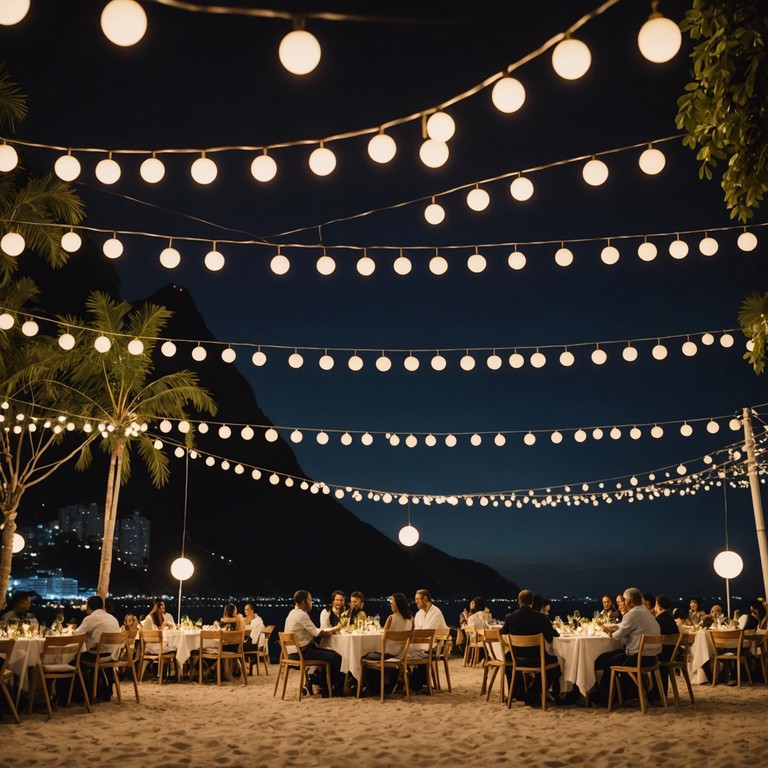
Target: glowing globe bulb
pixel 299 52
pixel 325 265
pixel 494 362
pixel 434 153
pixel 326 362
pixel 521 189
pixel 168 349
pixel 516 360
pixel 107 171
pixel 271 435
pixel 438 265
pixel 295 360
pixel 6 321
pixel 438 363
pixel 355 363
pixel 659 39
pixel 170 258
pixel 204 170
pixel 12 244
pixel 182 568
pixel 647 251
pixel 408 535
pixel 629 353
pixel 659 352
pixel 713 427
pixel 18 543
pixel 66 341
pixel 152 170
pixel 707 339
pixel 580 436
pixel 529 439
pixel 381 148
pixel 538 360
pixel 595 172
pixel 113 248
pixel 678 249
pixel 383 363
pixel 71 242
pixel 214 260
pixel 556 437
pixel 67 168
pixel 259 358
pixel 322 438
pixel 609 255
pixel 689 348
pixel 440 126
pixel 478 199
pixel 571 59
pixel 597 433
pixel 516 260
pixel 499 440
pixel 102 344
pixel 477 263
pixel 30 328
pixel 9 158
pixel 228 355
pixel 599 356
pixel 567 359
pixel 402 265
pixel 728 565
pixel 726 340
pixel 346 439
pixel 657 432
pixel 279 264
pixel 263 168
pixel 322 161
pixel 12 12
pixel 123 22
pixel 434 213
pixel 508 95
pixel 366 266
pixel 652 161
pixel 296 436
pixel 734 424
pixel 135 346
pixel 411 363
pixel 563 257
pixel 615 433
pixel 708 246
pixel 199 354
pixel 247 433
pixel 747 241
pixel 467 363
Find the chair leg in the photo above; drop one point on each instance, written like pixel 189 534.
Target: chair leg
pixel 448 674
pixel 328 679
pixel 277 680
pixel 135 682
pixel 83 687
pixel 490 684
pixel 543 690
pixel 641 691
pixel 662 695
pixel 688 684
pixel 406 682
pixel 11 705
pixel 610 690
pixel 673 683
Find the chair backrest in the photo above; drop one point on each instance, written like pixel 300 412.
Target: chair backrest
pixel 62 646
pixel 396 641
pixel 151 637
pixel 6 649
pixel 424 637
pixel 288 645
pixel 232 637
pixel 649 643
pixel 516 642
pixel 492 640
pixel 727 639
pixel 677 642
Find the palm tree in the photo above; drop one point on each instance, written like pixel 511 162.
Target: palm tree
pixel 753 319
pixel 116 388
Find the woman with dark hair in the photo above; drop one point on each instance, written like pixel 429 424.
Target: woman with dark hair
pixel 696 612
pixel 158 618
pixel 752 619
pixel 400 620
pixel 254 627
pixel 478 617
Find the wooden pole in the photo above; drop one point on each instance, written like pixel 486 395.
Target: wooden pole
pixel 754 487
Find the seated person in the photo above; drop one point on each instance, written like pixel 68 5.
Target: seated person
pixel 609 614
pixel 254 626
pixel 131 623
pixel 478 618
pixel 714 618
pixel 331 616
pixel 96 621
pixel 751 621
pixel 649 601
pixel 667 626
pixel 526 621
pixel 20 603
pixel 157 618
pixel 621 604
pixel 680 617
pixel 400 620
pixel 696 612
pixel 354 617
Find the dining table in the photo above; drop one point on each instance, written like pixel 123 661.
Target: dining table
pixel 703 651
pixel 352 646
pixel 25 654
pixel 577 654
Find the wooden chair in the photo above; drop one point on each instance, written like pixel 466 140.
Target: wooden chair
pixel 289 647
pixel 153 649
pixel 6 675
pixel 402 640
pixel 261 653
pixel 425 639
pixel 59 660
pixel 216 652
pixel 495 660
pixel 678 662
pixel 732 647
pixel 637 674
pixel 523 666
pixel 443 646
pixel 104 660
pixel 472 646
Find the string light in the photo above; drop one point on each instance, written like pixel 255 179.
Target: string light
pixel 434 213
pixel 508 95
pixel 12 12
pixel 382 148
pixel 152 170
pixel 322 161
pixel 659 38
pixel 299 51
pixel 204 170
pixel 571 59
pixel 67 167
pixel 9 158
pixel 12 244
pixel 108 171
pixel 123 22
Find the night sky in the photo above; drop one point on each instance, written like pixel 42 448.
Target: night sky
pixel 200 80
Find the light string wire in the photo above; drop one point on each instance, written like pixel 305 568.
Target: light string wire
pixel 69 326
pixel 348 134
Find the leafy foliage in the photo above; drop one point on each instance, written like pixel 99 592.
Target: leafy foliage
pixel 725 109
pixel 753 319
pixel 13 103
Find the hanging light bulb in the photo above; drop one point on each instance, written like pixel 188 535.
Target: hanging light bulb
pixel 438 265
pixel 12 244
pixel 516 260
pixel 610 254
pixel 204 170
pixel 708 245
pixel 599 356
pixel 521 189
pixel 707 339
pixel 476 262
pixel 107 170
pixel 595 172
pixel 690 348
pixel 170 258
pixel 279 263
pixel 18 543
pixel 726 340
pixel 112 248
pixel 71 241
pixel 629 353
pixel 678 249
pixel 438 362
pixel 538 359
pixel 467 362
pixel 440 126
pixel 322 161
pixel 747 241
pixel 228 355
pixel 402 265
pixel 12 12
pixel 9 157
pixel 508 95
pixel 434 153
pixel 102 344
pixel 381 148
pixel 493 361
pixel 264 167
pixel 66 341
pixel 516 360
pixel 659 352
pixel 647 251
pixel 434 213
pixel 563 257
pixel 152 170
pixel 30 328
pixel 571 59
pixel 408 535
pixel 326 362
pixel 259 358
pixel 567 359
pixel 182 568
pixel 529 439
pixel 478 199
pixel 168 349
pixel 652 161
pixel 214 260
pixel 383 363
pixel 199 353
pixel 325 265
pixel 135 347
pixel 296 360
pixel 299 50
pixel 411 363
pixel 6 322
pixel 123 22
pixel 355 362
pixel 67 167
pixel 659 38
pixel 366 266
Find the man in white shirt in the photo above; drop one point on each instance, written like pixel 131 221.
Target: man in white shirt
pixel 428 616
pixel 637 621
pixel 96 621
pixel 306 634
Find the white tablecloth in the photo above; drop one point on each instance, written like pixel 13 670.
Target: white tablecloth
pixel 352 648
pixel 577 654
pixel 702 651
pixel 182 641
pixel 25 654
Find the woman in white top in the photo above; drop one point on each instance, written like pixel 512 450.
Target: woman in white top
pixel 478 617
pixel 158 618
pixel 401 620
pixel 254 625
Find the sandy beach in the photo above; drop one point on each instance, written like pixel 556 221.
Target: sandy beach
pixel 235 725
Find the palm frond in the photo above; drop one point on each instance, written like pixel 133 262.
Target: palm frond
pixel 13 103
pixel 156 461
pixel 753 319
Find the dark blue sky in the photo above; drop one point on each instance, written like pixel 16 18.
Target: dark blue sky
pixel 200 81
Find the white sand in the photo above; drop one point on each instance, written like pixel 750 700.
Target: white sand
pixel 185 724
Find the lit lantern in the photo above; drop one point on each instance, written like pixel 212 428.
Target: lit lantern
pixel 204 170
pixel 508 95
pixel 434 153
pixel 440 126
pixel 659 39
pixel 67 167
pixel 12 244
pixel 322 161
pixel 9 158
pixel 107 170
pixel 123 22
pixel 214 260
pixel 113 248
pixel 299 52
pixel 263 168
pixel 521 189
pixel 152 170
pixel 728 565
pixel 408 535
pixel 170 258
pixel 18 543
pixel 71 241
pixel 182 568
pixel 12 12
pixel 381 148
pixel 571 59
pixel 652 161
pixel 595 172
